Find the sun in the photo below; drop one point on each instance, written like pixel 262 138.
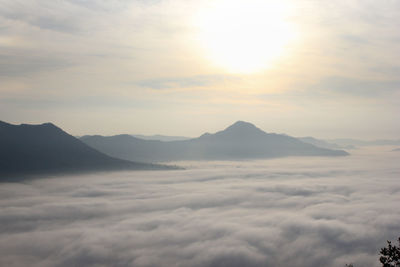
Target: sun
pixel 244 36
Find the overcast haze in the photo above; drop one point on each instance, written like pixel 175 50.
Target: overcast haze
pixel 323 68
pixel 181 68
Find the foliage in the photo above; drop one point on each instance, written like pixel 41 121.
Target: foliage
pixel 390 255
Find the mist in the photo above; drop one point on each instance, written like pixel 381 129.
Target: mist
pixel 279 212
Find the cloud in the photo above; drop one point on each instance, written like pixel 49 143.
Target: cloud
pixel 61 16
pixel 59 50
pixel 358 87
pixel 355 39
pixel 19 63
pixel 283 212
pixel 185 82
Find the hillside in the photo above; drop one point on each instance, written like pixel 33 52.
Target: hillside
pixel 241 140
pixel 39 149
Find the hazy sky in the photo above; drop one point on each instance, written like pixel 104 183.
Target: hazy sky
pixel 183 67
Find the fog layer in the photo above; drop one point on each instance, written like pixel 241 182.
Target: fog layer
pixel 284 212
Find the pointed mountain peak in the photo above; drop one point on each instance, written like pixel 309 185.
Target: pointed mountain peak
pixel 243 126
pixel 242 129
pixel 49 125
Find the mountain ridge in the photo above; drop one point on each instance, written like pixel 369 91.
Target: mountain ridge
pixel 28 149
pixel 241 140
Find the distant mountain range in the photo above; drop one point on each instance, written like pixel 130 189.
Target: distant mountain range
pixel 324 144
pixel 355 142
pixel 46 149
pixel 340 143
pixel 242 140
pixel 159 137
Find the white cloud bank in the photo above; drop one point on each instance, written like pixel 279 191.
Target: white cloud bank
pixel 284 212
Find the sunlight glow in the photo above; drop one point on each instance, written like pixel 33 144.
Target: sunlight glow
pixel 244 36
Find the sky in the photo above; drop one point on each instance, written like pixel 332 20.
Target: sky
pixel 281 212
pixel 183 67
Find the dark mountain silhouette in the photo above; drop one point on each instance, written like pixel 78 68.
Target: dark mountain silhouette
pixel 241 140
pixel 38 149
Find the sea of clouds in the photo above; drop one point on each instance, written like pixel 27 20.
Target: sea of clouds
pixel 301 212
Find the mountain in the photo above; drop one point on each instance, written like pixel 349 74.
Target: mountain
pixel 242 140
pixel 159 137
pixel 323 144
pixel 39 149
pixel 355 142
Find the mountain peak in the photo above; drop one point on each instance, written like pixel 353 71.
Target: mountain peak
pixel 242 126
pixel 48 124
pixel 30 150
pixel 241 140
